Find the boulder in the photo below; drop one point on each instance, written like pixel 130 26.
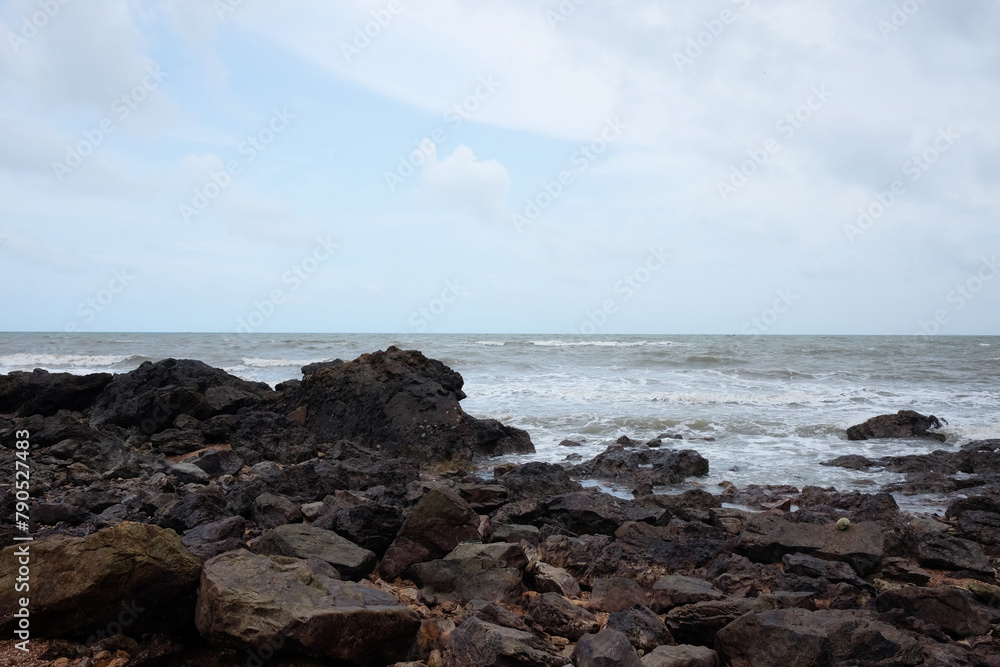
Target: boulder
pixel 698 623
pixel 270 511
pixel 491 612
pixel 301 541
pixel 767 538
pixel 80 584
pixel 471 572
pixel 802 638
pixel 538 480
pixel 903 424
pixel 267 436
pixel 953 610
pixel 817 568
pixel 593 512
pixel 616 594
pixel 550 579
pixel 370 524
pixel 43 393
pixel 644 629
pixel 607 648
pixel 248 600
pixel 674 590
pixel 405 404
pixel 438 523
pixel 850 461
pixel 643 466
pixel 978 518
pixel 476 643
pixel 558 616
pixel 684 655
pixel 900 569
pixel 946 552
pixel 515 532
pixel 215 538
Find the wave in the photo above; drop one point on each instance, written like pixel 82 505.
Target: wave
pixel 278 363
pixel 493 343
pixel 50 361
pixel 604 343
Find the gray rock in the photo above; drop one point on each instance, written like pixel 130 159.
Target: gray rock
pixel 644 630
pixel 187 473
pixel 684 655
pixel 808 566
pixel 550 579
pixel 558 616
pixel 514 532
pixel 473 571
pixel 675 590
pixel 478 644
pixel 953 610
pixel 607 648
pixel 301 541
pixel 270 511
pixel 953 553
pixel 616 594
pixel 215 538
pixel 767 538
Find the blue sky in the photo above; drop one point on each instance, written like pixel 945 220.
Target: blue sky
pixel 500 166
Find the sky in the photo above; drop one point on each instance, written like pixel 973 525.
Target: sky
pixel 500 166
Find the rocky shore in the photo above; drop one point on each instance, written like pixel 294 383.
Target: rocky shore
pixel 184 516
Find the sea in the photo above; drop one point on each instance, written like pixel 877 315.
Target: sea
pixel 761 409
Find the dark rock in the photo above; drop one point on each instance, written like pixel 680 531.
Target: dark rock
pixel 801 638
pixel 550 579
pixel 558 616
pixel 538 480
pixel 514 532
pixel 309 369
pixel 569 443
pixel 903 424
pixel 270 511
pixel 594 512
pixel 953 553
pixel 953 610
pixel 645 552
pixel 472 571
pixel 187 473
pixel 978 518
pixel 484 498
pixel 268 436
pixel 850 461
pixel 643 466
pixel 901 569
pixel 833 571
pixel 369 524
pixel 215 538
pixel 607 648
pixel 217 462
pixel 479 644
pixel 203 506
pixel 42 393
pixel 644 630
pixel 616 594
pixel 675 590
pixel 491 612
pixel 404 403
pixel 86 581
pixel 698 623
pixel 304 542
pixel 247 600
pixel 438 523
pixel 51 513
pixel 174 442
pixel 684 655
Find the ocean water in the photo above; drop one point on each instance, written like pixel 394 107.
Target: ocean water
pixel 775 406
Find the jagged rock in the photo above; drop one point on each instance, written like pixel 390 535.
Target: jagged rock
pixel 978 518
pixel 644 630
pixel 833 571
pixel 850 461
pixel 43 393
pixel 616 594
pixel 248 600
pixel 558 616
pixel 903 424
pixel 801 638
pixel 368 523
pixel 514 532
pixel 901 569
pixel 187 473
pixel 205 505
pixel 438 523
pixel 684 655
pixel 947 552
pixel 479 644
pixel 594 512
pixel 406 404
pixel 675 590
pixel 550 579
pixel 472 571
pixel 270 511
pixel 268 436
pixel 699 622
pixel 174 441
pixel 79 584
pixel 607 648
pixel 217 462
pixel 491 612
pixel 483 498
pixel 301 541
pixel 643 466
pixel 953 610
pixel 645 552
pixel 215 538
pixel 538 480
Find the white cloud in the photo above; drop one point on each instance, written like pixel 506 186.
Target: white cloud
pixel 463 182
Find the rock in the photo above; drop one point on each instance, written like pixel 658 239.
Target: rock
pixel 217 462
pixel 309 369
pixel 187 473
pixel 215 538
pixel 953 553
pixel 644 552
pixel 205 505
pixel 643 465
pixel 484 498
pixel 514 532
pixel 569 443
pixel 50 513
pixel 684 655
pixel 901 569
pixel 247 600
pixel 479 644
pixel 594 512
pixel 698 623
pixel 43 393
pixel 175 442
pixel 951 609
pixel 850 461
pixel 675 590
pixel 644 630
pixel 903 424
pixel 538 480
pixel 438 523
pixel 301 541
pixel 616 594
pixel 801 638
pixel 269 511
pixel 833 571
pixel 978 518
pixel 550 579
pixel 607 648
pixel 558 616
pixel 84 582
pixel 767 538
pixel 267 436
pixel 370 524
pixel 404 403
pixel 491 612
pixel 471 572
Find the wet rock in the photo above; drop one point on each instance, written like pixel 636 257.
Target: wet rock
pixel 270 511
pixel 301 541
pixel 684 655
pixel 476 643
pixel 978 518
pixel 471 572
pixel 43 393
pixel 594 512
pixel 675 590
pixel 84 582
pixel 644 630
pixel 607 648
pixel 644 552
pixel 248 600
pixel 538 480
pixel 438 523
pixel 215 538
pixel 643 465
pixel 833 571
pixel 558 616
pixel 404 403
pixel 850 461
pixel 801 638
pixel 616 594
pixel 900 569
pixel 268 436
pixel 484 498
pixel 550 579
pixel 947 552
pixel 370 524
pixel 903 424
pixel 951 609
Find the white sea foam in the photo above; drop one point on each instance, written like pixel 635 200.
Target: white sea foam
pixel 62 361
pixel 277 363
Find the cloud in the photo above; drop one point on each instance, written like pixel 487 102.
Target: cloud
pixel 462 182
